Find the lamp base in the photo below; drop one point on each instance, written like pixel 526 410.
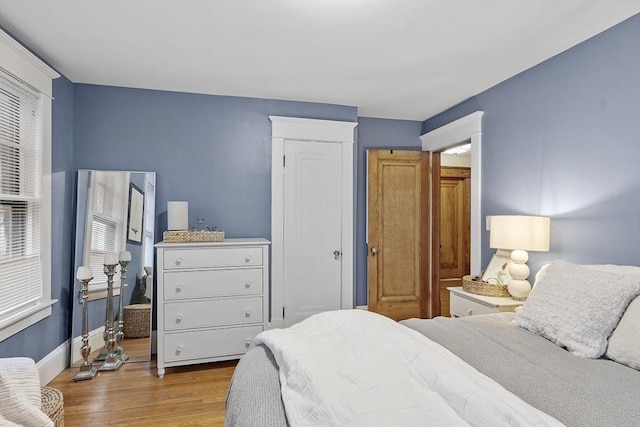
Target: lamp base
pixel 519 287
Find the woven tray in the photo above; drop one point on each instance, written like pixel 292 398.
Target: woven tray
pixel 473 286
pixel 53 405
pixel 193 236
pixel 137 320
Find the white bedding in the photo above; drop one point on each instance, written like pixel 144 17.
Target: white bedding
pixel 356 368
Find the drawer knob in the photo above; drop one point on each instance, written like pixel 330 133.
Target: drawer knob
pixel 179 288
pixel 247 313
pixel 179 260
pixel 179 317
pixel 469 311
pixel 179 349
pixel 247 343
pixel 248 284
pixel 247 258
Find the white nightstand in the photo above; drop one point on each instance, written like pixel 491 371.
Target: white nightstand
pixel 466 304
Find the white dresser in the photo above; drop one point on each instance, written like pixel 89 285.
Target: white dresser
pixel 212 300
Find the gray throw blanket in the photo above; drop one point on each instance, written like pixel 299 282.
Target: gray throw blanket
pixel 575 391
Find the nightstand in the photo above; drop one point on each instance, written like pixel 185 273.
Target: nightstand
pixel 466 304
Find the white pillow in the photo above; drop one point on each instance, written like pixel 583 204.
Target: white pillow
pixel 624 343
pixel 577 307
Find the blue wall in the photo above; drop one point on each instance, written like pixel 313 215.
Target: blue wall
pixel 213 151
pixel 375 134
pixel 563 140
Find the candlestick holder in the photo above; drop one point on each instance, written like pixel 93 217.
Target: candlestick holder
pixel 120 334
pixel 103 351
pixel 87 370
pixel 111 362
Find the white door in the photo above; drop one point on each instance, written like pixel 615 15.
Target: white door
pixel 312 229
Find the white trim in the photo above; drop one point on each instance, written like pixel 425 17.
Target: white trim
pixel 21 64
pixel 451 134
pixel 54 363
pixel 25 66
pixel 100 291
pixel 312 130
pixel 291 128
pixel 26 318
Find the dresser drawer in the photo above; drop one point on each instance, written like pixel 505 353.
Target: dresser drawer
pixel 462 307
pixel 212 312
pixel 210 343
pixel 212 283
pixel 212 257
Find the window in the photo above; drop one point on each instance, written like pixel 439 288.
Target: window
pixel 25 188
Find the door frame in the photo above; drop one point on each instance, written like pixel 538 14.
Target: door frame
pixel 328 131
pixel 467 128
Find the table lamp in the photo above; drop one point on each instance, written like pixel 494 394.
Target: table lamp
pixel 519 233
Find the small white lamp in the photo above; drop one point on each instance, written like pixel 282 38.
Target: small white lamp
pixel 519 233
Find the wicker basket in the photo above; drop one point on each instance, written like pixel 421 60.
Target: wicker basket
pixel 193 236
pixel 473 285
pixel 137 320
pixel 53 405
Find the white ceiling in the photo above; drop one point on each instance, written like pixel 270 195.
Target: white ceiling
pixel 391 59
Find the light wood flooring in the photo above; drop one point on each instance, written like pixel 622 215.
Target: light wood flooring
pixel 135 396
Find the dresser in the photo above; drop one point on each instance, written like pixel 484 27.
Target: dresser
pixel 212 300
pixel 467 304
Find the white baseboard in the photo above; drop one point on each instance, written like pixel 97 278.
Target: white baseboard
pixel 53 363
pixel 362 307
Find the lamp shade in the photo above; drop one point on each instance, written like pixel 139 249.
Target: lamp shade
pixel 177 215
pixel 529 233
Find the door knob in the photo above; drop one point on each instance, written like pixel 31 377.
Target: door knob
pixel 374 250
pixel 336 254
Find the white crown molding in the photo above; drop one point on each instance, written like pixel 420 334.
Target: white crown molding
pixel 19 62
pixel 311 129
pixel 452 133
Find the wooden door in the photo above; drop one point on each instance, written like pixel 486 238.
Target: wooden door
pixel 312 229
pixel 397 218
pixel 455 230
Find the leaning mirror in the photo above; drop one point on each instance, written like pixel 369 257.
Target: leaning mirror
pixel 115 212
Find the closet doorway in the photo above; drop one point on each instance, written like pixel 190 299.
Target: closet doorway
pixel 311 218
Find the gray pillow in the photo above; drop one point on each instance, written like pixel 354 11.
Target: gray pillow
pixel 577 307
pixel 624 343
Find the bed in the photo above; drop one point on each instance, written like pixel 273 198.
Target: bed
pixel 545 365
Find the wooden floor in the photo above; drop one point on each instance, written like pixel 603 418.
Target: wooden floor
pixel 135 396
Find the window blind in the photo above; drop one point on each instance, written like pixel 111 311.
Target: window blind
pixel 20 198
pixel 108 221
